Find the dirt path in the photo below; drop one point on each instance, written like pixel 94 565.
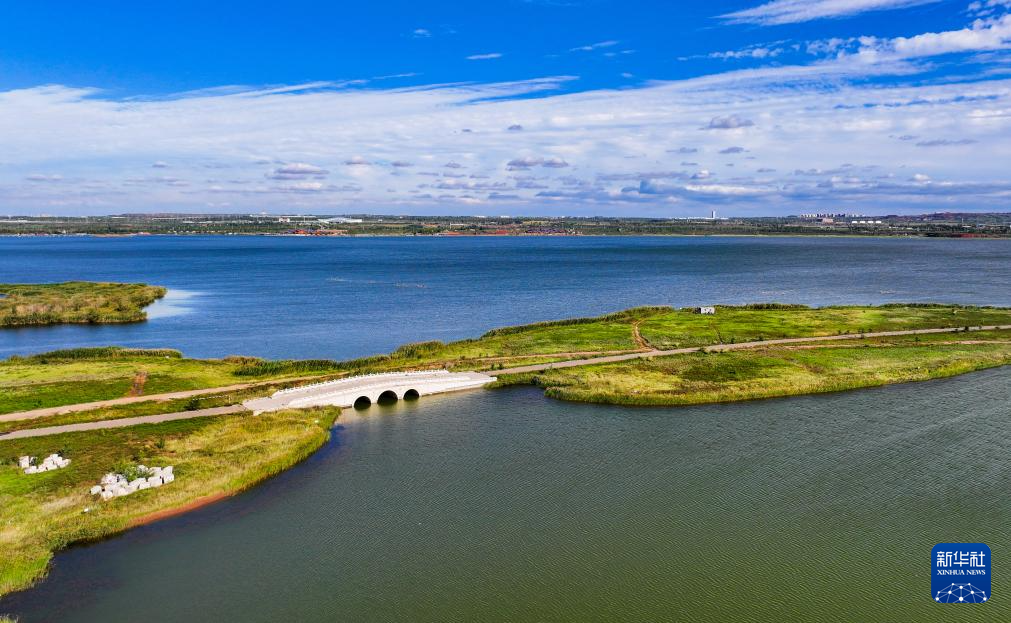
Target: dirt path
pixel 118 423
pixel 585 353
pixel 182 415
pixel 640 341
pixel 739 346
pixel 127 400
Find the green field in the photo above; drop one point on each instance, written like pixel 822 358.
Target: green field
pixel 89 374
pixel 42 513
pixel 746 324
pixel 24 304
pixel 84 375
pixel 774 371
pixel 659 327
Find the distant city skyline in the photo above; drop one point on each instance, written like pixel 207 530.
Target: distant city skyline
pixel 538 107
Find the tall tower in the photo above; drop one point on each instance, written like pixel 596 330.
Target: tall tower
pixel 714 215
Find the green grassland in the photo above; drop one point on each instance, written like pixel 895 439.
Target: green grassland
pixel 24 304
pixel 660 327
pixel 680 329
pixel 774 371
pixel 151 407
pixel 42 513
pixel 89 374
pixel 84 375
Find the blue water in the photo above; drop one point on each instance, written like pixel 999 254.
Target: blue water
pixel 346 297
pixel 508 506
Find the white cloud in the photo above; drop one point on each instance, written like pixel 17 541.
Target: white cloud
pixel 484 57
pixel 759 52
pixel 422 33
pixel 300 168
pixel 594 46
pixel 285 148
pixel 982 35
pixel 41 177
pixel 794 11
pixel 731 122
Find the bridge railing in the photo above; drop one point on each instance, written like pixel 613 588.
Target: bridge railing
pixel 416 373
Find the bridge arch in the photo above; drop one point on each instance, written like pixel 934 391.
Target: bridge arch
pixel 387 397
pixel 412 394
pixel 363 402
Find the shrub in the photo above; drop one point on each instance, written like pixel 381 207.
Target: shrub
pixel 100 352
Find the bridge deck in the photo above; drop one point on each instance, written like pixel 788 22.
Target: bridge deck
pixel 344 392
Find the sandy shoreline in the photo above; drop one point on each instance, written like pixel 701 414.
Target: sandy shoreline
pixel 179 510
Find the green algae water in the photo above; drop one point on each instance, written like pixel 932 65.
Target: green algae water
pixel 504 505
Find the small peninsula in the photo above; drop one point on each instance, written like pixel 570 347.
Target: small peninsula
pixel 75 302
pixel 191 416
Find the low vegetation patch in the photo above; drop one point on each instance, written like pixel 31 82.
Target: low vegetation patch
pixel 90 374
pixel 769 372
pixel 42 513
pixel 764 321
pixel 75 302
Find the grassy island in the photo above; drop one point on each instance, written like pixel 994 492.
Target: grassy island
pixel 773 371
pixel 77 302
pixel 673 357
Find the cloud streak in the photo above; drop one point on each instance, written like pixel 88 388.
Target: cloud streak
pixel 780 12
pixel 322 146
pixel 484 57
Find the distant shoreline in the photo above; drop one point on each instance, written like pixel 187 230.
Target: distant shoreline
pixel 829 235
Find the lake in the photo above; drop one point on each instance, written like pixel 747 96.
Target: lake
pixel 507 506
pixel 347 297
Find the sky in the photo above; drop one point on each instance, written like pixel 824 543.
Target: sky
pixel 506 107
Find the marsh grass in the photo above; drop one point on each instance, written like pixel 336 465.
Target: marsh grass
pixel 75 302
pixel 84 375
pixel 153 407
pixel 700 378
pixel 42 513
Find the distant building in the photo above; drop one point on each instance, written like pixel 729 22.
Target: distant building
pixel 706 310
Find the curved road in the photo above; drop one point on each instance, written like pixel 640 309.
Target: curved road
pixel 164 417
pixel 127 400
pixel 540 367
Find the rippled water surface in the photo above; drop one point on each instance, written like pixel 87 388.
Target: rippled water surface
pixel 495 506
pixel 507 506
pixel 339 298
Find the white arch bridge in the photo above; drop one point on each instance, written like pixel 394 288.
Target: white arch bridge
pixel 362 391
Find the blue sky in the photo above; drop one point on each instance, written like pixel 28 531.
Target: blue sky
pixel 506 107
